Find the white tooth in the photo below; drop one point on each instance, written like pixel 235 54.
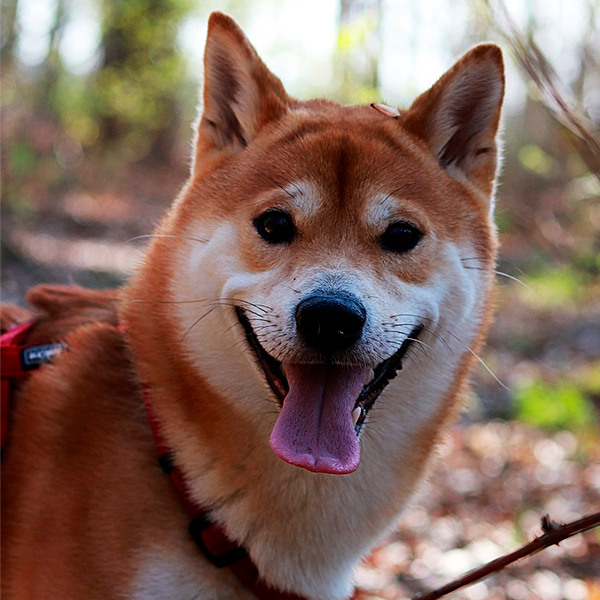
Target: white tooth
pixel 356 413
pixel 370 377
pixel 282 369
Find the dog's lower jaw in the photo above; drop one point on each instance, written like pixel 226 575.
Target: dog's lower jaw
pixel 307 532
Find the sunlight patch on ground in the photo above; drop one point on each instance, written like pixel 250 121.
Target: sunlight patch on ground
pixel 45 249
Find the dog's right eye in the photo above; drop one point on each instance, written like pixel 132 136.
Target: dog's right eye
pixel 275 227
pixel 400 237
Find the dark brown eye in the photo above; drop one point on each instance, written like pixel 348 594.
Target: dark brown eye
pixel 400 237
pixel 275 227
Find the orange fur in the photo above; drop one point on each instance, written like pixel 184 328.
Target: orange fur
pixel 83 498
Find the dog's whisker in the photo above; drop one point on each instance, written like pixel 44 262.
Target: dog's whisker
pixel 233 326
pixel 263 307
pixel 264 327
pixel 294 185
pixel 441 340
pixel 280 186
pixel 238 343
pixel 162 235
pixel 138 301
pixel 465 347
pixel 270 400
pixel 233 303
pixel 221 303
pixel 482 362
pixel 293 289
pixel 502 274
pixel 421 342
pixel 210 310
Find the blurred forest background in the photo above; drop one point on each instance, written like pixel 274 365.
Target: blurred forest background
pixel 98 98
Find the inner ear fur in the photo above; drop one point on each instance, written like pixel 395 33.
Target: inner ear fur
pixel 240 94
pixel 458 117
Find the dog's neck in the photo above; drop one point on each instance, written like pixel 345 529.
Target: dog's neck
pixel 305 532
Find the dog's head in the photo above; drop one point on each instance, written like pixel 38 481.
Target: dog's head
pixel 317 248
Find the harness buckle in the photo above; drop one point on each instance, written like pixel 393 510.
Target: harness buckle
pixel 33 357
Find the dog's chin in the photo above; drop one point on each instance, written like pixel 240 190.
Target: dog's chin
pixel 351 389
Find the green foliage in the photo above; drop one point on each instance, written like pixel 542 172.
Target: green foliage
pixel 354 34
pixel 535 159
pixel 22 158
pixel 503 220
pixel 554 286
pixel 137 88
pixel 562 406
pixel 356 58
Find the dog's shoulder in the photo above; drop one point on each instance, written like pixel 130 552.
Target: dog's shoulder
pixel 87 388
pixel 11 314
pixel 60 309
pixel 57 311
pixel 90 382
pixel 79 431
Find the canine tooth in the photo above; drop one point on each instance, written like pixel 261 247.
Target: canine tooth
pixel 356 414
pixel 370 377
pixel 282 369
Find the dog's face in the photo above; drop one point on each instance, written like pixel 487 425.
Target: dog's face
pixel 321 249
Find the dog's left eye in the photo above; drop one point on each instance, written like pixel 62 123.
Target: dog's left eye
pixel 275 227
pixel 400 237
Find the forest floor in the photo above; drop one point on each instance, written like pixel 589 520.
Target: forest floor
pixel 485 498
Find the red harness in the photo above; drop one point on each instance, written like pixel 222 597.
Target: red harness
pixel 19 359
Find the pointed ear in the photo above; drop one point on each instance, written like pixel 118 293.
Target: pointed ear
pixel 240 94
pixel 458 117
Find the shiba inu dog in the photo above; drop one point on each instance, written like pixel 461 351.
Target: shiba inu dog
pixel 302 328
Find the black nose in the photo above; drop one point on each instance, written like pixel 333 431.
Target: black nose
pixel 330 322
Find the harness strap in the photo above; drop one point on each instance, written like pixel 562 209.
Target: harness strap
pixel 210 537
pixel 17 360
pixel 11 344
pixel 4 412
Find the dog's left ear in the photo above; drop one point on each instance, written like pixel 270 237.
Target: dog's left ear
pixel 458 117
pixel 241 95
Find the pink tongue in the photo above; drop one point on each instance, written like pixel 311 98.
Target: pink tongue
pixel 314 429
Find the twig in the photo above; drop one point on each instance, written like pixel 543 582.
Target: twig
pixel 541 74
pixel 554 533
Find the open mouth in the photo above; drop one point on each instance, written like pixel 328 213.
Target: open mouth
pixel 324 406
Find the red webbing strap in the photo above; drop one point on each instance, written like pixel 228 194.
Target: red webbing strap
pixel 247 573
pixel 11 368
pixel 210 537
pixel 11 344
pixel 5 405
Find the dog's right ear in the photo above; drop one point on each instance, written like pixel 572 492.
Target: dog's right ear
pixel 241 95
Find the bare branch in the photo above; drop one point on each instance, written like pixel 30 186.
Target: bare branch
pixel 554 533
pixel 538 71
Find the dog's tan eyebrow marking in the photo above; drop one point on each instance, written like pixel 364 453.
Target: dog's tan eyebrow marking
pixel 303 197
pixel 380 209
